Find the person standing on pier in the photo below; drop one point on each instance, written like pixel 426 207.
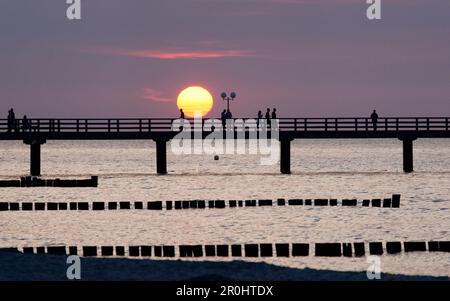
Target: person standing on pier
pixel 260 116
pixel 267 118
pixel 274 113
pixel 223 117
pixel 268 115
pixel 229 115
pixel 374 118
pixel 11 120
pixel 181 114
pixel 26 125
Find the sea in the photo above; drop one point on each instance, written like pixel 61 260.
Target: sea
pixel 358 168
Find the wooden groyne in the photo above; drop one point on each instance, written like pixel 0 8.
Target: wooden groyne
pixel 393 202
pixel 346 249
pixel 40 182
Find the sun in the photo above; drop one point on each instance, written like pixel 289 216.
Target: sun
pixel 195 101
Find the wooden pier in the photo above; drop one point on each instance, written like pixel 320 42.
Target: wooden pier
pixel 161 130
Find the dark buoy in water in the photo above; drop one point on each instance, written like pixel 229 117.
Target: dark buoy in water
pixel 216 157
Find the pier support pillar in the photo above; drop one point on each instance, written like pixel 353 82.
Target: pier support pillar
pixel 285 156
pixel 161 157
pixel 35 155
pixel 408 159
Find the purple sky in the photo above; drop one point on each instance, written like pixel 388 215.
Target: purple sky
pixel 308 58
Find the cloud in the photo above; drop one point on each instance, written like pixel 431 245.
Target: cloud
pixel 153 95
pixel 173 54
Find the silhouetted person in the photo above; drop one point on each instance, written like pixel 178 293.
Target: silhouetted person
pixel 11 120
pixel 181 114
pixel 25 123
pixel 223 117
pixel 260 116
pixel 268 115
pixel 374 118
pixel 274 114
pixel 229 115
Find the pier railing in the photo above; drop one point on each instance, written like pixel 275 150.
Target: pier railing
pixel 351 124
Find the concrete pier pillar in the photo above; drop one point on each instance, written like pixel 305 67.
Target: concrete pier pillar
pixel 161 157
pixel 285 156
pixel 408 159
pixel 35 156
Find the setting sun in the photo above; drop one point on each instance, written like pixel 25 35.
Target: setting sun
pixel 195 101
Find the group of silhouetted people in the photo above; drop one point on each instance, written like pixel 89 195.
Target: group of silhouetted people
pixel 268 115
pixel 226 114
pixel 13 123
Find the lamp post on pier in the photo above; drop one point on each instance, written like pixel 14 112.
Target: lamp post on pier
pixel 228 98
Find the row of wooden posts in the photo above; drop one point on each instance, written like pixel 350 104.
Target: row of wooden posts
pixel 39 182
pixel 356 249
pixel 393 202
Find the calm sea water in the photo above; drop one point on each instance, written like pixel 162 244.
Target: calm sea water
pixel 321 169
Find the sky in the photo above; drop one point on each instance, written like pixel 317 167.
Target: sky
pixel 307 58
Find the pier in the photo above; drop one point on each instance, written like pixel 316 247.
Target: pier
pixel 160 130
